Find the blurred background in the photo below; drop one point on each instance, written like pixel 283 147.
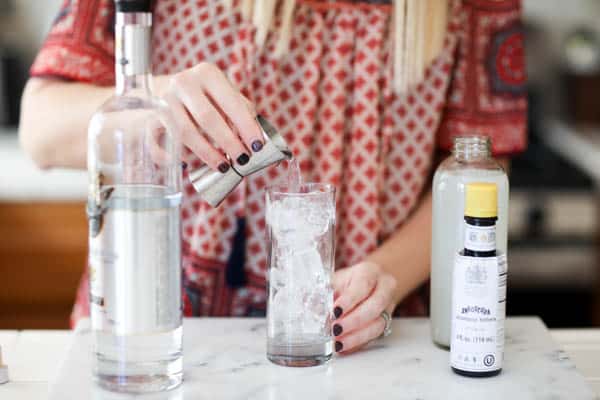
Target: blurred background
pixel 554 254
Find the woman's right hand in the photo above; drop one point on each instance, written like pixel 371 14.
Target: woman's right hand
pixel 215 119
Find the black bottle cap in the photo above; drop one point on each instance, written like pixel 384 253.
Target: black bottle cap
pixel 132 6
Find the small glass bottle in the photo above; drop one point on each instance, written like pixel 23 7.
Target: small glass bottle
pixel 134 219
pixel 471 161
pixel 479 289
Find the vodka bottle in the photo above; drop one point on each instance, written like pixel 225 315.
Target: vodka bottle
pixel 470 162
pixel 134 218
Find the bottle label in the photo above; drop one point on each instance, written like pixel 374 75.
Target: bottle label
pixel 478 313
pixel 97 261
pixel 136 289
pixel 480 238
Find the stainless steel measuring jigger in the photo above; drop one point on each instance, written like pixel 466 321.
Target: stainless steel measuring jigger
pixel 214 186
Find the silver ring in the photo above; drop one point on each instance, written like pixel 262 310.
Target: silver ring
pixel 387 330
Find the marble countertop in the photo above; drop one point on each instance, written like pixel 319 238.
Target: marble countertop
pixel 225 359
pixel 22 180
pixel 34 357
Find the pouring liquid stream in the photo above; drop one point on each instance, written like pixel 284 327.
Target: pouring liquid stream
pixel 294 176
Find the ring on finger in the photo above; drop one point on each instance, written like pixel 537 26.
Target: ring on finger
pixel 387 330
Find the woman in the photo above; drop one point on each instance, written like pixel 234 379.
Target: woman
pixel 364 94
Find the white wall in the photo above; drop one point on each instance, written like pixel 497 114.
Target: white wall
pixel 38 15
pixel 556 18
pixel 28 26
pixel 549 22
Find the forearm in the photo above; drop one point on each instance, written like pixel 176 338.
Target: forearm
pixel 406 254
pixel 54 120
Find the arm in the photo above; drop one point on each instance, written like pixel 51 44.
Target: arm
pixel 406 255
pixel 384 279
pixel 55 114
pixel 54 118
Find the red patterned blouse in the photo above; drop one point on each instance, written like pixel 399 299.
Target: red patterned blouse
pixel 332 97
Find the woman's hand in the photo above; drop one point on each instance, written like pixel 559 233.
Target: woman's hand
pixel 215 119
pixel 362 293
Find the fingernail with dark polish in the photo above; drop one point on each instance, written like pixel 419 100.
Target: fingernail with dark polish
pixel 183 165
pixel 337 311
pixel 337 330
pixel 223 167
pixel 257 146
pixel 243 159
pixel 338 346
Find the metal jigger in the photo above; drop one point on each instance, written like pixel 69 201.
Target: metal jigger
pixel 214 186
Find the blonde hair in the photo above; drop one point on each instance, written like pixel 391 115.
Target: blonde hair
pixel 418 27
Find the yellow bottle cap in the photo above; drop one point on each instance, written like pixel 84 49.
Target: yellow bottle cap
pixel 481 200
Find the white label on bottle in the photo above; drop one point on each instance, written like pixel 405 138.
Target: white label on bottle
pixel 480 238
pixel 478 312
pixel 97 261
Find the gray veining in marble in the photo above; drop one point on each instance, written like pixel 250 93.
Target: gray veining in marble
pixel 225 359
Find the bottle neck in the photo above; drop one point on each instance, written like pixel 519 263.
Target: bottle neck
pixel 132 52
pixel 471 148
pixel 480 237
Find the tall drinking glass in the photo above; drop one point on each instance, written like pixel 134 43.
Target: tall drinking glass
pixel 301 237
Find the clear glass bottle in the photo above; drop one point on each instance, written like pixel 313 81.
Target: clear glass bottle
pixel 134 216
pixel 470 161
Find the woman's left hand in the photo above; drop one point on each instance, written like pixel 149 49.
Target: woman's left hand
pixel 362 292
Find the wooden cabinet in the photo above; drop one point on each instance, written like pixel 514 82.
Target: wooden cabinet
pixel 43 250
